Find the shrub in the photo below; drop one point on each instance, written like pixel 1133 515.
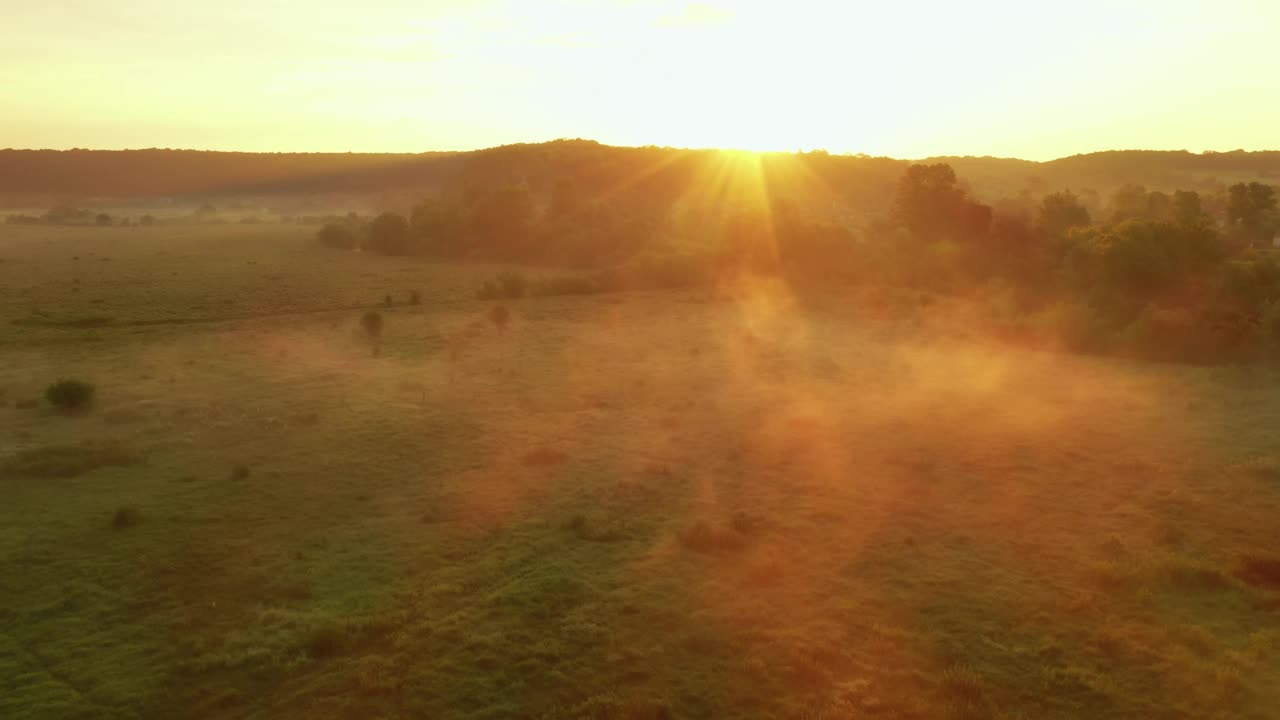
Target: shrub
pixel 415 297
pixel 746 524
pixel 337 235
pixel 389 235
pixel 240 472
pixel 126 517
pixel 500 316
pixel 64 461
pixel 324 641
pixel 371 322
pixel 70 395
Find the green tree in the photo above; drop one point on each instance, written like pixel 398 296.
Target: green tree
pixel 70 395
pixel 927 200
pixel 1060 212
pixel 1159 206
pixel 1140 258
pixel 1187 208
pixel 1129 202
pixel 931 206
pixel 389 234
pixel 438 224
pixel 1251 211
pixel 565 200
pixel 337 235
pixel 502 218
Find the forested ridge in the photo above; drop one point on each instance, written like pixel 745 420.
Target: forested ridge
pixel 163 172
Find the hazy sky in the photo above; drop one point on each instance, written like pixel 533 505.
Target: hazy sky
pixel 1019 78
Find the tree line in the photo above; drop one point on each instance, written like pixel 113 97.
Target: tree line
pixel 1175 275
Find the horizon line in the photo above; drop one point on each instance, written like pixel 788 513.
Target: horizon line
pixel 797 151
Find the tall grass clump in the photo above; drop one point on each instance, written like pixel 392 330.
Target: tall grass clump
pixel 71 395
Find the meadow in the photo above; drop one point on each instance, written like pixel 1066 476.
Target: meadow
pixel 731 502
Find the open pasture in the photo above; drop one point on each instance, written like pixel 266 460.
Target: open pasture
pixel 711 503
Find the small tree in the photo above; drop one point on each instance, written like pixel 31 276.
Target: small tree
pixel 1060 212
pixel 70 395
pixel 389 234
pixel 147 220
pixel 500 316
pixel 415 297
pixel 372 324
pixel 102 219
pixel 337 235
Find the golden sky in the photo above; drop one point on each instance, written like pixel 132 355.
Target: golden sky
pixel 1020 78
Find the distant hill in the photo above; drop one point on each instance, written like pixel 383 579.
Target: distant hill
pixel 858 180
pixel 1104 171
pixel 130 173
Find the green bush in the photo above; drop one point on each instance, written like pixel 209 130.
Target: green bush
pixel 338 235
pixel 70 395
pixel 126 517
pixel 324 641
pixel 500 316
pixel 371 322
pixel 389 235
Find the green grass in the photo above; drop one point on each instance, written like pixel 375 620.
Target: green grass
pixel 65 461
pixel 687 504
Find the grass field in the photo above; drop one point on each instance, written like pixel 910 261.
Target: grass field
pixel 738 503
